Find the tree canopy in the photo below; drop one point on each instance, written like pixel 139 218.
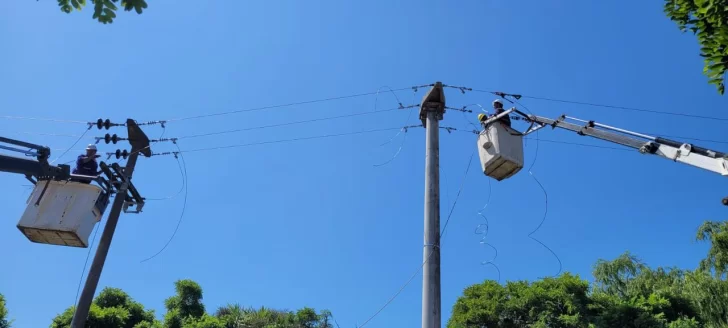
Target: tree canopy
pixel 104 10
pixel 113 308
pixel 4 321
pixel 625 293
pixel 708 19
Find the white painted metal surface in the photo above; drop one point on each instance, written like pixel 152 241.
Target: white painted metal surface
pixel 65 215
pixel 501 151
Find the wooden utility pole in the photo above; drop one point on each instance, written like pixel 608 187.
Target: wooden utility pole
pixel 432 110
pixel 139 145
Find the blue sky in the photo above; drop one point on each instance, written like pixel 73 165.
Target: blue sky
pixel 315 223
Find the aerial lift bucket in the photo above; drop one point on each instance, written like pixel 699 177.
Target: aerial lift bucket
pixel 501 151
pixel 62 212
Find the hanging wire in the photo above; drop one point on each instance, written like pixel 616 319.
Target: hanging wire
pixel 465 117
pixel 457 196
pixel 181 187
pixel 406 123
pixel 73 145
pixel 484 229
pixel 412 277
pixel 546 198
pixel 85 263
pixel 184 207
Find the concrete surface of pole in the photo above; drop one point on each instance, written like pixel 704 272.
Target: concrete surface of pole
pixel 431 112
pixel 139 144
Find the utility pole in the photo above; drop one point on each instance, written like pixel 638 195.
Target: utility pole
pixel 432 110
pixel 139 144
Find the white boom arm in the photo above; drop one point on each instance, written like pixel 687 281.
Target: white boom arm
pixel 704 158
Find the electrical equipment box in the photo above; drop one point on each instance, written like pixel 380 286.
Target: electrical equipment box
pixel 501 151
pixel 62 213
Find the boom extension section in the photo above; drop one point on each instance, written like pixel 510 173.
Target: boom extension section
pixel 704 158
pixel 39 169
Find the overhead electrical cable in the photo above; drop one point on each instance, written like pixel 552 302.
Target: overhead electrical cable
pixel 704 117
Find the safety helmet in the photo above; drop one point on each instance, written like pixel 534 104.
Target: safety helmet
pixel 497 101
pixel 91 147
pixel 481 117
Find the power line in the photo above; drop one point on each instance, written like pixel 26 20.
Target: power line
pixel 722 119
pixel 293 123
pixel 10 117
pixel 306 102
pixel 284 140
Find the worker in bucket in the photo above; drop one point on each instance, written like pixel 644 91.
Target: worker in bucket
pixel 86 164
pixel 497 108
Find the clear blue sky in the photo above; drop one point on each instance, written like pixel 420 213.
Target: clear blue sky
pixel 314 223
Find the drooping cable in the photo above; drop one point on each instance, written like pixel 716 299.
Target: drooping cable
pixel 404 129
pixel 181 187
pixel 546 199
pixel 73 145
pixel 184 207
pixel 85 263
pixel 457 196
pixel 484 229
pixel 417 272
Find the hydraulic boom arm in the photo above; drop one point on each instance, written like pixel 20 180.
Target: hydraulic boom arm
pixel 704 158
pixel 39 168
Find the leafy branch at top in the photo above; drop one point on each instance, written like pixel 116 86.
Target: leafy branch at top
pixel 104 10
pixel 708 19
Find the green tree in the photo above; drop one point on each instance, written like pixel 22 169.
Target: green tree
pixel 708 19
pixel 104 10
pixel 4 321
pixel 560 302
pixel 112 308
pixel 717 234
pixel 185 308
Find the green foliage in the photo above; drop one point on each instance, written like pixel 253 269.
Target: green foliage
pixel 552 302
pixel 625 293
pixel 708 19
pixel 235 316
pixel 112 308
pixel 717 234
pixel 4 321
pixel 185 305
pixel 104 10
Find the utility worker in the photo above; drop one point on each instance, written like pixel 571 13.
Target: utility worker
pixel 497 108
pixel 86 164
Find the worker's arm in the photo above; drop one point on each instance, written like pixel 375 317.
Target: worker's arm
pixel 86 159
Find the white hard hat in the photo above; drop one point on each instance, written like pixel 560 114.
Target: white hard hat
pixel 91 147
pixel 497 101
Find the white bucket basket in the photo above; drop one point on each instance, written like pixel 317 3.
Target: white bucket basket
pixel 65 215
pixel 501 151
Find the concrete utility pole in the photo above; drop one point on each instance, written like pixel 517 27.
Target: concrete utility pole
pixel 139 144
pixel 432 110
